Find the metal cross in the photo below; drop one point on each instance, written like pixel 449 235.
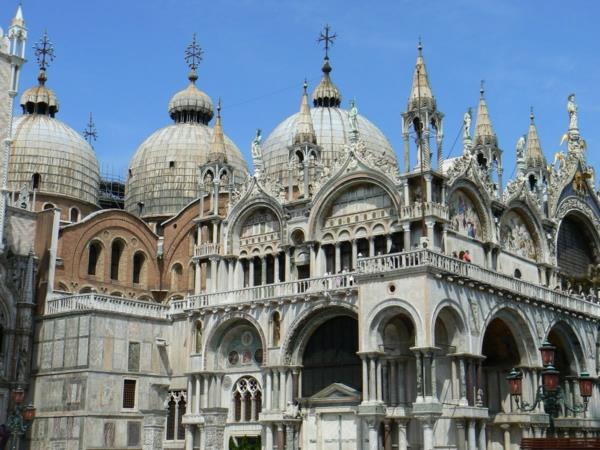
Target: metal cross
pixel 90 133
pixel 44 51
pixel 193 54
pixel 328 38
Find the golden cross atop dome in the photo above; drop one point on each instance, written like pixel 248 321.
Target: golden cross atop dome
pixel 44 51
pixel 327 37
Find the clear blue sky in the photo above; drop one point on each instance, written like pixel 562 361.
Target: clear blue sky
pixel 123 60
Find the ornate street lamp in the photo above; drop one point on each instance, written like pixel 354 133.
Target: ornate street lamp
pixel 549 393
pixel 20 419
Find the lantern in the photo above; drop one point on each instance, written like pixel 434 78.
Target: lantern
pixel 550 379
pixel 29 413
pixel 585 385
pixel 547 350
pixel 515 382
pixel 18 395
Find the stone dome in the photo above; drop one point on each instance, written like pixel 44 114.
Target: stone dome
pixel 332 129
pixel 65 162
pixel 163 173
pixel 189 102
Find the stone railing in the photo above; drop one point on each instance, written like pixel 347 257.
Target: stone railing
pixel 308 286
pixel 207 249
pixel 96 302
pixel 416 210
pixel 453 266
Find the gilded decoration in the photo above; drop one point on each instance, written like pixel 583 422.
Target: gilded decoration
pixel 463 216
pixel 515 237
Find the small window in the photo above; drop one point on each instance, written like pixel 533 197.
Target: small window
pixel 517 274
pixel 94 256
pixel 36 179
pixel 175 411
pixel 129 394
pixel 171 164
pixel 115 258
pixel 48 206
pixel 138 264
pixel 133 359
pixel 74 215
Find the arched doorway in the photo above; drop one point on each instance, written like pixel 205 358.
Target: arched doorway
pixel 330 356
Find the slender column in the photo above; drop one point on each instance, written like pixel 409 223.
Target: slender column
pixel 290 184
pixel 231 274
pixel 276 389
pixel 429 224
pixel 243 408
pixel 354 254
pixel 282 390
pixel 253 409
pixel 482 438
pixel 373 436
pixel 393 383
pixel 388 243
pixel 420 390
pixel 216 201
pixel 506 432
pixel 198 394
pixel 189 437
pixel 471 435
pixel 433 378
pixel 428 435
pixel 338 262
pixel 269 393
pixel 287 265
pixel 219 380
pixel 289 388
pixel 371 246
pixel 251 272
pixel 268 436
pixel 276 278
pixel 205 390
pixel 402 380
pixel 385 387
pixel 197 278
pixel 313 260
pixel 372 379
pixel 201 210
pixel 295 382
pixel 365 379
pixel 428 188
pixel 379 380
pixel 461 443
pixel 402 440
pixel 211 282
pixel 406 234
pixel 463 381
pixel 263 270
pixel 280 441
pixel 406 152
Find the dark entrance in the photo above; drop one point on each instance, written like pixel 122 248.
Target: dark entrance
pixel 244 443
pixel 330 356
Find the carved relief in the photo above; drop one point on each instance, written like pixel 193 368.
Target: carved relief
pixel 515 236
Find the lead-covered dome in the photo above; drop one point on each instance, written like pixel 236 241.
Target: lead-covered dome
pixel 332 129
pixel 48 155
pixel 163 173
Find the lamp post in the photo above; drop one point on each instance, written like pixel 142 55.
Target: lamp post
pixel 20 419
pixel 550 394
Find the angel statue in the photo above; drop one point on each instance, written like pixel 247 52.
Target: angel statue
pixel 521 148
pixel 256 150
pixel 572 109
pixel 353 117
pixel 467 125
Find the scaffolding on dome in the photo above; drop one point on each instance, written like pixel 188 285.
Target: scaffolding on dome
pixel 112 188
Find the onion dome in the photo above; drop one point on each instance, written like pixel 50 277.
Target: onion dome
pixel 326 93
pixel 46 154
pixel 484 133
pixel 332 130
pixel 535 156
pixel 163 173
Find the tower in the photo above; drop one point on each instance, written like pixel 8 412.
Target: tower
pixel 421 118
pixel 535 167
pixel 12 57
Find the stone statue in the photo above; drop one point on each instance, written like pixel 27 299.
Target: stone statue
pixel 572 109
pixel 521 148
pixel 22 365
pixel 353 117
pixel 256 150
pixel 467 125
pixel 292 410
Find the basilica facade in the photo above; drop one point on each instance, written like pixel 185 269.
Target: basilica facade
pixel 331 298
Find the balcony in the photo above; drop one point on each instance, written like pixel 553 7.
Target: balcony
pixel 452 267
pixel 96 302
pixel 207 249
pixel 418 210
pixel 299 288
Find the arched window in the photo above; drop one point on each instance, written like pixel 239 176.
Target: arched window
pixel 36 179
pixel 74 215
pixel 246 400
pixel 115 258
pixel 138 265
pixel 175 411
pixel 48 206
pixel 93 257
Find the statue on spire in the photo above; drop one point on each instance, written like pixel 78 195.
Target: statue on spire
pixel 572 109
pixel 467 125
pixel 353 120
pixel 256 152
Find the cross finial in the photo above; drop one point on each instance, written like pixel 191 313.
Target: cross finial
pixel 531 115
pixel 482 87
pixel 90 133
pixel 219 107
pixel 193 56
pixel 305 85
pixel 44 51
pixel 327 37
pixel 420 46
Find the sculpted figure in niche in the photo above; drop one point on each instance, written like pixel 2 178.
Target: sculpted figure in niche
pixel 515 237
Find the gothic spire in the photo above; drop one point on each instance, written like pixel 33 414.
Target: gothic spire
pixel 534 156
pixel 18 19
pixel 420 92
pixel 217 147
pixel 326 94
pixel 305 132
pixel 484 133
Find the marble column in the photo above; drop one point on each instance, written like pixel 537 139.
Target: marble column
pixel 198 395
pixel 379 380
pixel 406 236
pixel 372 379
pixel 506 435
pixel 189 437
pixel 461 443
pixel 393 383
pixel 482 436
pixel 338 258
pixel 268 436
pixel 250 272
pixel 354 254
pixel 365 378
pixel 472 435
pixel 371 246
pixel 387 435
pixel 269 393
pixel 276 277
pixel 402 439
pixel 428 435
pixel 373 435
pixel 280 437
pixel 263 270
